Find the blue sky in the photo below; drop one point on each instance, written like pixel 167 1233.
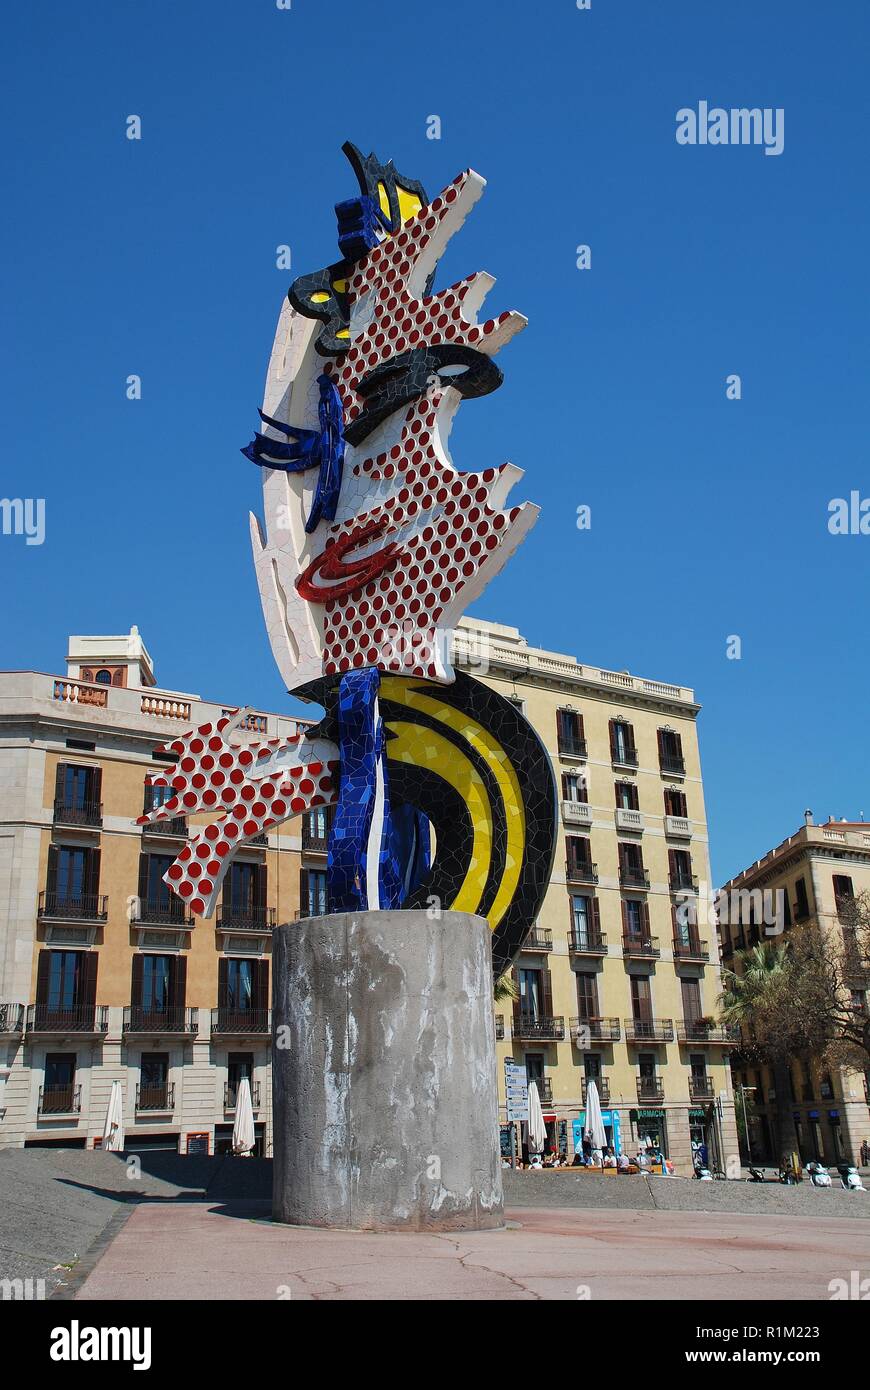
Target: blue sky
pixel 709 516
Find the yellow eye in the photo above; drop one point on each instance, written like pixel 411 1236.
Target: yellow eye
pixel 339 285
pixel 320 297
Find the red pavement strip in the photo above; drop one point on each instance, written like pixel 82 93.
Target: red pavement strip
pixel 232 1251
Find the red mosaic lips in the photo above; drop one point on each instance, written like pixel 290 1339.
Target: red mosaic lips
pixel 349 575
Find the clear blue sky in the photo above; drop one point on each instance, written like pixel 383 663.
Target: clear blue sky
pixel 709 516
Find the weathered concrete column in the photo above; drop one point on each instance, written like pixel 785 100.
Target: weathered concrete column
pixel 383 1073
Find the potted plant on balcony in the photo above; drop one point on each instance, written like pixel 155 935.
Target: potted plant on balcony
pixel 704 1023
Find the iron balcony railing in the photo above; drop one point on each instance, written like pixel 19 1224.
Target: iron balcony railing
pixel 545 1089
pixel 86 907
pixel 672 762
pixel 60 1100
pixel 581 871
pixel 596 1029
pixel 174 828
pixel 683 880
pixel 499 1027
pixel 238 1021
pixel 539 939
pixel 650 1090
pixel 231 1095
pixel 571 747
pixel 542 1026
pixel 626 758
pixel 246 918
pixel 603 1087
pixel 175 1018
pixel 636 945
pixel 82 1018
pixel 649 1030
pixel 587 943
pixel 633 876
pixel 11 1018
pixel 693 949
pixel 88 814
pixel 701 1088
pixel 173 913
pixel 313 844
pixel 156 1097
pixel 696 1030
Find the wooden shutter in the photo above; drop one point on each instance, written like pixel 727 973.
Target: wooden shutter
pixel 223 982
pixel 660 736
pixel 546 994
pixel 260 887
pixel 304 899
pixel 137 982
pixel 644 915
pixel 92 873
pixel 143 877
pixel 51 872
pixel 43 977
pixel 260 984
pixel 612 728
pixel 678 744
pixel 59 779
pixel 596 915
pixel 88 980
pixel 630 746
pixel 672 862
pixel 96 784
pixel 626 927
pixel 178 982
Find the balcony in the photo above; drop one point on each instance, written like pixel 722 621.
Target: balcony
pixel 581 871
pixel 701 1088
pixel 678 827
pixel 11 1020
pixel 633 876
pixel 499 1027
pixel 542 1028
pixel 241 1022
pixel 160 1098
pixel 172 913
pixel 571 746
pixel 683 881
pixel 173 828
pixel 696 1030
pixel 231 1095
pixel 576 813
pixel 628 819
pixel 60 1100
pixel 250 919
pixel 545 1088
pixel 87 907
pixel 602 1086
pixel 538 939
pixel 640 947
pixel 649 1030
pixel 313 844
pixel 83 815
pixel 650 1091
pixel 587 943
pixel 672 765
pixel 173 1019
pixel 693 949
pixel 625 758
pixel 84 1018
pixel 597 1029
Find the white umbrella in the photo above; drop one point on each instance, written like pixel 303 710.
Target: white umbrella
pixel 113 1129
pixel 593 1126
pixel 537 1128
pixel 244 1136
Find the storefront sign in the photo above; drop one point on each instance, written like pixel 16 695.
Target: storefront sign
pixel 610 1120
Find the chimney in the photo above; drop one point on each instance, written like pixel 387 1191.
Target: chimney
pixel 808 817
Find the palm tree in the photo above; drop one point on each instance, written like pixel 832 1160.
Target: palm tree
pixel 505 989
pixel 748 1001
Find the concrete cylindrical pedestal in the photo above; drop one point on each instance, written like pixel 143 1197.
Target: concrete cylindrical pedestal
pixel 383 1073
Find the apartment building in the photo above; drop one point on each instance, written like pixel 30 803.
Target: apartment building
pixel 618 981
pixel 809 879
pixel 104 975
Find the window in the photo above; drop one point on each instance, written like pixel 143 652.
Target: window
pixel 59 1088
pixel 635 918
pixel 622 747
pixel 646 1065
pixel 680 868
pixel 574 788
pixel 155 988
pixel 66 987
pixel 569 733
pixel 76 786
pixel 63 979
pixel 154 1070
pixel 641 999
pixel 626 796
pixel 579 849
pixel 592 1066
pixel 244 896
pixel 156 796
pixel 535 1068
pixel 158 989
pixel 312 893
pixel 103 677
pixel 801 901
pixel 243 989
pixel 675 803
pixel 585 920
pixel 587 997
pixel 316 823
pixel 631 869
pixel 154 894
pixel 843 893
pixel 530 993
pixel 698 1065
pixel 670 751
pixel 691 992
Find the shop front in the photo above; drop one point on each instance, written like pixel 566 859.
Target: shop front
pixel 649 1130
pixel 610 1120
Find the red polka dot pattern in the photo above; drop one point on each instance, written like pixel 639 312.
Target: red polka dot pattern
pixel 213 774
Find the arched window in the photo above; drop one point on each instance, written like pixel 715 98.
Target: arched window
pixel 103 678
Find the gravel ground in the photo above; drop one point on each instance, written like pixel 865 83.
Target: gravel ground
pixel 60 1207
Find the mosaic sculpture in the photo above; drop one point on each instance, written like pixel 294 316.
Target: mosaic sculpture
pixel 373 547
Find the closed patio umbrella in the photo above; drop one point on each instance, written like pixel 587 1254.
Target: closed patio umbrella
pixel 113 1129
pixel 593 1127
pixel 537 1128
pixel 244 1136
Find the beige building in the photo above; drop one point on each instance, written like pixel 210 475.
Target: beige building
pixel 808 879
pixel 619 981
pixel 104 976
